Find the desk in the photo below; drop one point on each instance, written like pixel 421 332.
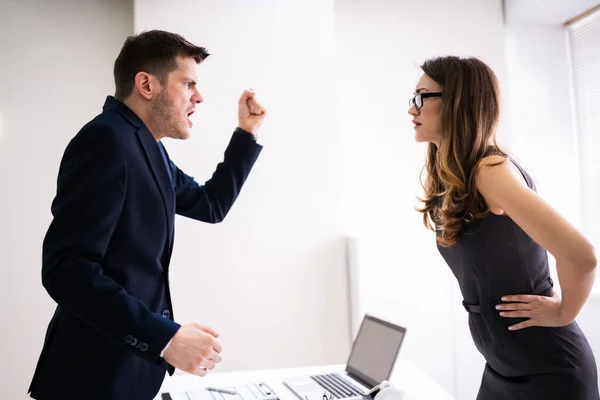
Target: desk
pixel 406 376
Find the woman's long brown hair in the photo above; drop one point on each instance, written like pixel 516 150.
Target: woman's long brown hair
pixel 469 117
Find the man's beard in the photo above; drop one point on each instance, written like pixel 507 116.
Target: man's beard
pixel 164 118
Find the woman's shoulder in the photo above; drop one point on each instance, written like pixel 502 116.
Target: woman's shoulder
pixel 495 167
pixel 492 174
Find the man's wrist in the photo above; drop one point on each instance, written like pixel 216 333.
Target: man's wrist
pixel 162 353
pixel 248 131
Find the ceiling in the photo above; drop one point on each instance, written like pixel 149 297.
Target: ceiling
pixel 545 12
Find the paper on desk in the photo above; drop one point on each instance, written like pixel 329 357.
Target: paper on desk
pixel 178 396
pixel 253 391
pixel 204 394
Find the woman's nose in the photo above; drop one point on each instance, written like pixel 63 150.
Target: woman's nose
pixel 412 110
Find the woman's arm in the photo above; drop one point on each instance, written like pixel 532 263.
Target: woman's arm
pixel 503 188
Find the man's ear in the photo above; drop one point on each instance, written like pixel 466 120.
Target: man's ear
pixel 147 85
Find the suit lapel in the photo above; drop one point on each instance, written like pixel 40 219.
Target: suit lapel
pixel 157 165
pixel 156 162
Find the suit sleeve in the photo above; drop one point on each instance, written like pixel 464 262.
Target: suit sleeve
pixel 212 201
pixel 91 189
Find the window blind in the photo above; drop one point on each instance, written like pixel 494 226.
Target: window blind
pixel 584 44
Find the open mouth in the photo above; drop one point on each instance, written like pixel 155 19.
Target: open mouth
pixel 190 123
pixel 417 124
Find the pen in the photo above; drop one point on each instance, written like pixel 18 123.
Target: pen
pixel 221 390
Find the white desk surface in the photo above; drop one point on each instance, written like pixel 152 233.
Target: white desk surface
pixel 406 376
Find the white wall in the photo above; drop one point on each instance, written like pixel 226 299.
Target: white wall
pixel 380 45
pixel 271 278
pixel 541 118
pixel 56 70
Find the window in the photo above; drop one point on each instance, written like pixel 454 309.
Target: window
pixel 584 44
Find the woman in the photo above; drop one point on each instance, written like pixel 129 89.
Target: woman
pixel 493 230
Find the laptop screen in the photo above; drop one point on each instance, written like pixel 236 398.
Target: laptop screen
pixel 375 350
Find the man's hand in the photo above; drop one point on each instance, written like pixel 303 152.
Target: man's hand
pixel 194 349
pixel 250 112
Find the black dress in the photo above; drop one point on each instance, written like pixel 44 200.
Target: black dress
pixel 495 257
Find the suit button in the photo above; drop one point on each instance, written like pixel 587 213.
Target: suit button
pixel 166 314
pixel 128 339
pixel 143 347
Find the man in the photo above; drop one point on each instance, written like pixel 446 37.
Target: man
pixel 106 254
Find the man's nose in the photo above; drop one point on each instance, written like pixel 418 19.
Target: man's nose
pixel 197 98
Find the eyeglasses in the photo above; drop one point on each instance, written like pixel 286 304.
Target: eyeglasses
pixel 417 101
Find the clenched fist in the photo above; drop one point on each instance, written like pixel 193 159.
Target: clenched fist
pixel 250 112
pixel 194 349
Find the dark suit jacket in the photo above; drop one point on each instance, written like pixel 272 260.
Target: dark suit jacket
pixel 107 251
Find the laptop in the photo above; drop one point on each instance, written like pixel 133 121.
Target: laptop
pixel 371 361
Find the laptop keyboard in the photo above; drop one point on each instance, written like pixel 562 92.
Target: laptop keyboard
pixel 339 387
